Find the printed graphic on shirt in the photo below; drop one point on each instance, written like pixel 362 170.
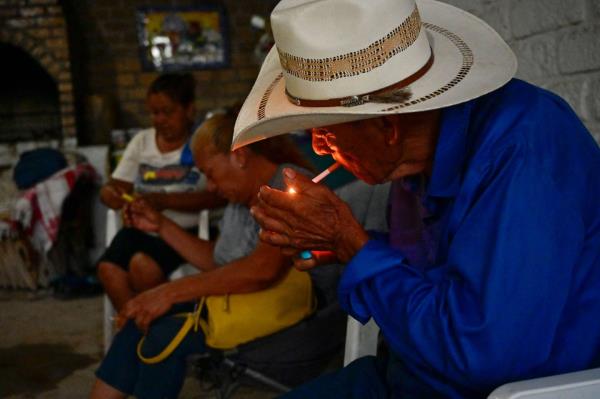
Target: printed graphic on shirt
pixel 169 178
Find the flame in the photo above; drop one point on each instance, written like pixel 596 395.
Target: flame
pixel 291 190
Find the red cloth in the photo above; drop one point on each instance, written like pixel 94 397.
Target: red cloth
pixel 39 208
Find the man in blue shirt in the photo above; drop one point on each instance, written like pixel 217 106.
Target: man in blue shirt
pixel 491 270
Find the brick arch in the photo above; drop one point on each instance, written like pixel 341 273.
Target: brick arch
pixel 34 48
pixel 59 71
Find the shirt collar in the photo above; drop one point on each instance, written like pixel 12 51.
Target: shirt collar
pixel 451 150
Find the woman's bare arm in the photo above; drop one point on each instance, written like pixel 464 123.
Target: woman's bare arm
pixel 255 272
pixel 194 250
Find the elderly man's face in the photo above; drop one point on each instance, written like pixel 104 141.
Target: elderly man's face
pixel 381 149
pixel 359 146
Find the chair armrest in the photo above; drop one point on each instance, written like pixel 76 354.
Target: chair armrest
pixel 581 385
pixel 113 224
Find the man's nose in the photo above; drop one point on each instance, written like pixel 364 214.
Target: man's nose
pixel 319 145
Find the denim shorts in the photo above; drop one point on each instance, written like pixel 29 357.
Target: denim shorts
pixel 124 371
pixel 130 241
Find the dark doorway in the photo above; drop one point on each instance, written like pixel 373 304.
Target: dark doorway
pixel 29 99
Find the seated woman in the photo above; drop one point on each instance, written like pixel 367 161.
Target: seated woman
pixel 152 167
pixel 237 262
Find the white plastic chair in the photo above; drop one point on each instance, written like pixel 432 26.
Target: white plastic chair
pixel 580 385
pixel 113 224
pixel 361 340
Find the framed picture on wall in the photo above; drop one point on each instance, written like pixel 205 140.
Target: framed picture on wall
pixel 182 38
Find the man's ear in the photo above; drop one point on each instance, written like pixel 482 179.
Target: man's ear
pixel 240 157
pixel 390 125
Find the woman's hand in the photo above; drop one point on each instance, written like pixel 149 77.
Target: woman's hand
pixel 141 215
pixel 313 218
pixel 147 306
pixel 112 195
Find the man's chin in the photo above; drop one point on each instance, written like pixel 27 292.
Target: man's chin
pixel 367 178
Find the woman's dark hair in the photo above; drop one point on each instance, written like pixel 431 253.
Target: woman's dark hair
pixel 180 87
pixel 218 131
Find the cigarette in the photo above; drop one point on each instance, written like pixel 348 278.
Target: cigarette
pixel 325 173
pixel 127 197
pixel 319 177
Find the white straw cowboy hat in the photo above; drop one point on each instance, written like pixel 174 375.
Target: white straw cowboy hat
pixel 337 61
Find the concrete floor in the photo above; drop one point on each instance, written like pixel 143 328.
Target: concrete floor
pixel 50 348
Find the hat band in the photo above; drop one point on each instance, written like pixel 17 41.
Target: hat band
pixel 370 97
pixel 356 62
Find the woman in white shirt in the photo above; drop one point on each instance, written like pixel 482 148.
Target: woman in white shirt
pixel 151 168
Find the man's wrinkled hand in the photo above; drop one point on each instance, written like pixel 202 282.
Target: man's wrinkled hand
pixel 312 218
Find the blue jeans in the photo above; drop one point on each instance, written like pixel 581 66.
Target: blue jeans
pixel 123 370
pixel 369 377
pixel 364 378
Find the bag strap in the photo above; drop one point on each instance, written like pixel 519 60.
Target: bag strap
pixel 192 319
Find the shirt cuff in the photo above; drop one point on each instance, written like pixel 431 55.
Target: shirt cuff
pixel 374 258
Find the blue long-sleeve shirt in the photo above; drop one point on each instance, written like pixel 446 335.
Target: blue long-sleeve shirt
pixel 513 291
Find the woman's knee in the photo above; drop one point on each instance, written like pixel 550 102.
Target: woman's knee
pixel 144 272
pixel 108 272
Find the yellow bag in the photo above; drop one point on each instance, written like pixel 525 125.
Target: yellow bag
pixel 239 318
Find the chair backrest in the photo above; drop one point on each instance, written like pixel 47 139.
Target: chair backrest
pixel 361 340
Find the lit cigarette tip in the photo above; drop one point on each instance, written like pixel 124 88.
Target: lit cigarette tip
pixel 326 172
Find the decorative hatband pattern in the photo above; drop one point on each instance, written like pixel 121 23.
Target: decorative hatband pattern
pixel 356 62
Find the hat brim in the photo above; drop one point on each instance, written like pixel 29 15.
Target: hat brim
pixel 470 60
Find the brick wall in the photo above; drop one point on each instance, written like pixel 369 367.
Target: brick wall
pixel 111 84
pixel 38 28
pixel 557 43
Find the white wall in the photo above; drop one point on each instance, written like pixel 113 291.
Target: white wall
pixel 557 43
